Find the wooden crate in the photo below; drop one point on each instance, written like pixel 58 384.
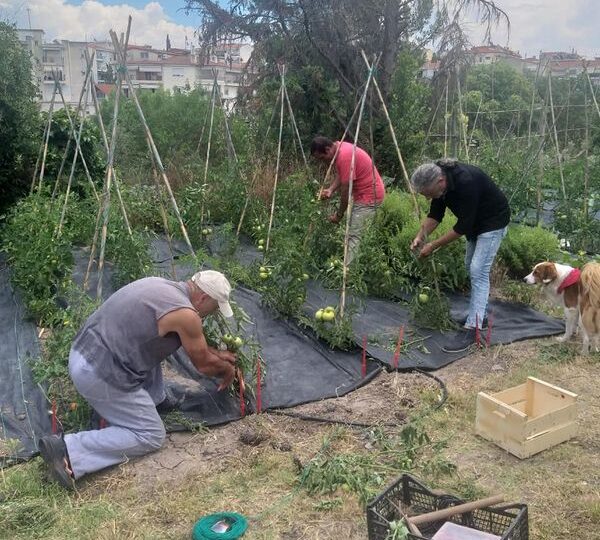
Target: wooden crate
pixel 528 418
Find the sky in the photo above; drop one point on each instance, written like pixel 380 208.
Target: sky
pixel 535 24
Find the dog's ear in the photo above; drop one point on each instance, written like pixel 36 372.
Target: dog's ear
pixel 547 273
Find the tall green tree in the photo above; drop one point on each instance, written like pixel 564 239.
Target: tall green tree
pixel 19 118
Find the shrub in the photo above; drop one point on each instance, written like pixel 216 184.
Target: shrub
pixel 525 246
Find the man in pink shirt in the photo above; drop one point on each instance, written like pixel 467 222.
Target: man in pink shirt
pixel 367 187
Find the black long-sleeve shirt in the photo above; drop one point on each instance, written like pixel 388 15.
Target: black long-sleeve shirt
pixel 474 199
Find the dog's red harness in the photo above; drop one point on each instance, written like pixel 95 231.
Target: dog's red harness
pixel 571 279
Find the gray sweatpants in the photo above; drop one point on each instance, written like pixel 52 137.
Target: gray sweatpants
pixel 134 426
pixel 358 221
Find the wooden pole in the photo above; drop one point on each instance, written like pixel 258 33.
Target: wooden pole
pixel 111 156
pixel 210 129
pixel 73 165
pixel 295 126
pixel 558 153
pixel 540 179
pixel 537 72
pixel 395 140
pixel 159 163
pixel 350 186
pixel 586 169
pixel 446 120
pixel 475 121
pixel 255 175
pixel 106 148
pixel 462 126
pixel 72 133
pixel 439 515
pixel 44 146
pixel 282 71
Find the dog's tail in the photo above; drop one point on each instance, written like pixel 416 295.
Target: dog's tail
pixel 590 283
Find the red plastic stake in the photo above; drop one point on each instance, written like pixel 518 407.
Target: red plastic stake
pixel 258 389
pixel 398 347
pixel 364 357
pixel 488 338
pixel 102 423
pixel 477 331
pixel 242 401
pixel 53 416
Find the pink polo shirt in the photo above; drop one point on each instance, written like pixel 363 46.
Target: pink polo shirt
pixel 365 175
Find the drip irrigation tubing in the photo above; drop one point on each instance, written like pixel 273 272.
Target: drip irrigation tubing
pixel 324 420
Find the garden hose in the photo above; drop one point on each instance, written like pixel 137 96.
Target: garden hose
pixel 204 528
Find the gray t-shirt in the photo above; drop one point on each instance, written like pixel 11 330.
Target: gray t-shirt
pixel 120 339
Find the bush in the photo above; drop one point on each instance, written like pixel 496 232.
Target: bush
pixel 525 246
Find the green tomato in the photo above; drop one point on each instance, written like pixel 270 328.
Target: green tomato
pixel 238 341
pixel 261 248
pixel 263 269
pixel 204 232
pixel 304 277
pixel 263 275
pixel 319 315
pixel 261 242
pixel 328 316
pixel 423 298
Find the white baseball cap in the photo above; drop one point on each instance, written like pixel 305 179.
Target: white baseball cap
pixel 216 286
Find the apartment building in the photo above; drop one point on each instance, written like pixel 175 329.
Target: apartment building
pixel 150 69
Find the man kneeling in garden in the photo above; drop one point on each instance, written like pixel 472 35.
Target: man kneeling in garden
pixel 115 363
pixel 483 215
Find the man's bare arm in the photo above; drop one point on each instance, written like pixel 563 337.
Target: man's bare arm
pixel 188 326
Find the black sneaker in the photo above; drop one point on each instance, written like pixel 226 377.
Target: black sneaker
pixel 54 453
pixel 461 341
pixel 170 403
pixel 484 324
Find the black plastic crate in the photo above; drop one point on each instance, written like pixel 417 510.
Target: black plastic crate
pixel 510 522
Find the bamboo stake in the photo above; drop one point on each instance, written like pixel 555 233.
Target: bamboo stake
pixel 44 145
pixel 92 248
pixel 586 170
pixel 428 134
pixel 106 148
pixel 154 149
pixel 558 153
pixel 210 129
pixel 537 72
pixel 73 165
pixel 202 132
pixel 111 155
pixel 255 175
pixel 462 127
pixel 591 87
pixel 446 121
pixel 282 71
pixel 541 167
pixel 350 187
pixel 295 126
pixel 77 150
pixel 72 133
pixel 395 140
pixel 567 118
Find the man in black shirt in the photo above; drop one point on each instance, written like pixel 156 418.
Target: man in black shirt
pixel 483 215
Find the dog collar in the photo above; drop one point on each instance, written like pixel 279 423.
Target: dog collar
pixel 571 279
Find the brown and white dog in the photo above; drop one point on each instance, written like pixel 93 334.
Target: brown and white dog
pixel 589 306
pixel 561 283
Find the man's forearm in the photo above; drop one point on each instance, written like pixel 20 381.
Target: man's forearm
pixel 210 364
pixel 335 184
pixel 428 226
pixel 445 239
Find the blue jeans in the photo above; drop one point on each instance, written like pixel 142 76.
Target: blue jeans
pixel 479 258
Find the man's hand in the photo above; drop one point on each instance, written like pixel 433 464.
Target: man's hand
pixel 227 356
pixel 334 218
pixel 227 376
pixel 417 242
pixel 426 250
pixel 325 194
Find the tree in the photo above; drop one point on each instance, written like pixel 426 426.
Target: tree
pixel 20 130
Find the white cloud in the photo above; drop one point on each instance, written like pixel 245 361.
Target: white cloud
pixel 92 20
pixel 547 25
